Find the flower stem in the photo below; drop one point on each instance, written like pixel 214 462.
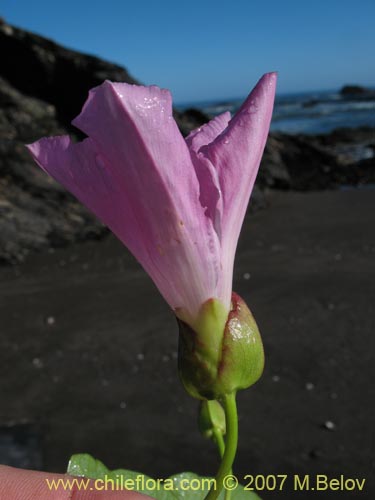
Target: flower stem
pixel 230 408
pixel 219 441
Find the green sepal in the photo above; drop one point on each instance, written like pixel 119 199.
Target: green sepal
pixel 214 362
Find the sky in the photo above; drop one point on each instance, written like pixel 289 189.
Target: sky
pixel 214 49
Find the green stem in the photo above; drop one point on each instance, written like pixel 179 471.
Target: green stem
pixel 231 419
pixel 219 440
pixel 228 493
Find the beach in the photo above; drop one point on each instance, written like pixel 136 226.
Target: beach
pixel 88 347
pixel 84 366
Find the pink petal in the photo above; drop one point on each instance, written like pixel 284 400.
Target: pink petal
pixel 235 155
pixel 208 132
pixel 210 192
pixel 83 171
pixel 135 173
pixel 178 206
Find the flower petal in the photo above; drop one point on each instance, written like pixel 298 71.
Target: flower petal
pixel 208 132
pixel 210 193
pixel 235 155
pixel 83 171
pixel 135 172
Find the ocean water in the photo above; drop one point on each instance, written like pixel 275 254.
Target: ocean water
pixel 308 112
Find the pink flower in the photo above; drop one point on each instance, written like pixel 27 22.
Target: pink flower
pixel 178 205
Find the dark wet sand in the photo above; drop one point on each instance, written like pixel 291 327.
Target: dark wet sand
pixel 102 377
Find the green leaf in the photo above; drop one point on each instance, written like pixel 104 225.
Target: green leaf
pixel 184 478
pixel 183 486
pixel 85 465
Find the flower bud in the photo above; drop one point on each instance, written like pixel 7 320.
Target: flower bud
pixel 217 358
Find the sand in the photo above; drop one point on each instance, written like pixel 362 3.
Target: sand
pixel 88 352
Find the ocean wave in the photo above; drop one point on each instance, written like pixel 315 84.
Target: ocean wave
pixel 314 112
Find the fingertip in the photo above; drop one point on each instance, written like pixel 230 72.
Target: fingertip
pixel 19 484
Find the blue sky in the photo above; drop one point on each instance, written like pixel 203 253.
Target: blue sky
pixel 210 49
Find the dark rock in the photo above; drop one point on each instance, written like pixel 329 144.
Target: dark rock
pixel 304 162
pixel 190 119
pixel 41 68
pixel 63 77
pixel 195 115
pixel 311 103
pixel 293 162
pixel 346 135
pixel 353 91
pixel 363 172
pixel 35 211
pixel 349 146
